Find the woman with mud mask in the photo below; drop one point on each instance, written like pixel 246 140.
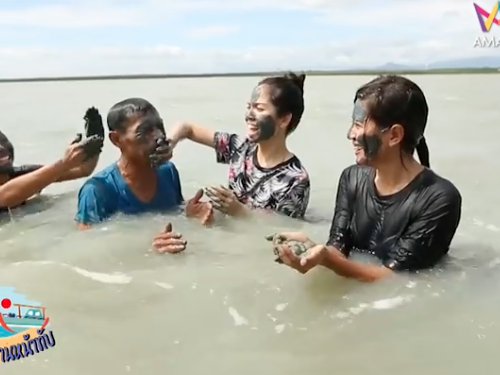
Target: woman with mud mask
pixel 388 204
pixel 263 173
pixel 20 183
pixel 143 179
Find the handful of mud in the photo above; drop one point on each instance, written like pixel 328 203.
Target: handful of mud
pixel 298 248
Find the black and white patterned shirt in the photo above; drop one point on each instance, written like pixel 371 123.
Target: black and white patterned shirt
pixel 284 188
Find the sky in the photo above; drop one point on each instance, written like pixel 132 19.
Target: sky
pixel 76 37
pixel 15 297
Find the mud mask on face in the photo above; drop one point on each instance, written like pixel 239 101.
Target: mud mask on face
pixel 265 123
pixel 152 133
pixel 370 143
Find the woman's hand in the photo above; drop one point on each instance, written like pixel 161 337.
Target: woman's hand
pixel 313 255
pixel 224 200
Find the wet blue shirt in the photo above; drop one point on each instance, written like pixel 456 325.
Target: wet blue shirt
pixel 106 194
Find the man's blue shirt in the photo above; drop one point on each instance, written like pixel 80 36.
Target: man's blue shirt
pixel 106 194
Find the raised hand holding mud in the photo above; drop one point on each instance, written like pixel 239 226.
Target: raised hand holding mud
pixel 80 150
pixel 92 146
pixel 93 123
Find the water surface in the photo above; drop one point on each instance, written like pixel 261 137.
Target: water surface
pixel 224 306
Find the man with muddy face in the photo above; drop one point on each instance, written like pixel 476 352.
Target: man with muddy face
pixel 144 141
pixel 143 179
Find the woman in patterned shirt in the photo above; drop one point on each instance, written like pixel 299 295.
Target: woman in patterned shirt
pixel 263 173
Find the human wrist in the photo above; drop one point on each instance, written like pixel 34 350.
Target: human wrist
pixel 179 133
pixel 331 256
pixel 243 210
pixel 61 165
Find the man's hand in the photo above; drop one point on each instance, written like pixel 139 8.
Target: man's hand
pixel 224 200
pixel 169 242
pixel 201 210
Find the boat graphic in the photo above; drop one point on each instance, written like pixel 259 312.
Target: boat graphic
pixel 31 317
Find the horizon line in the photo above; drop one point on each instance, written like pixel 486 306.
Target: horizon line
pixel 313 72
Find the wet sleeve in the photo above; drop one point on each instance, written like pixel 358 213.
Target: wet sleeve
pixel 93 206
pixel 340 234
pixel 428 237
pixel 294 200
pixel 226 144
pixel 24 169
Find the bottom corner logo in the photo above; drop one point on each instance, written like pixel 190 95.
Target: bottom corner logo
pixel 23 326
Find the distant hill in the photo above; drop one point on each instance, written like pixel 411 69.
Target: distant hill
pixel 467 63
pixel 391 67
pixel 474 65
pixel 473 62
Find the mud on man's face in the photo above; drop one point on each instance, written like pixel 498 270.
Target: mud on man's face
pixel 140 137
pixel 261 119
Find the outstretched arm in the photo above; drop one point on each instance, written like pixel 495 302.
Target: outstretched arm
pixel 75 173
pixel 93 127
pixel 224 144
pixel 19 189
pixel 84 170
pixel 195 133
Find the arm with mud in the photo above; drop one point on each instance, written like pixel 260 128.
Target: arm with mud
pixel 17 190
pixel 195 133
pixel 80 171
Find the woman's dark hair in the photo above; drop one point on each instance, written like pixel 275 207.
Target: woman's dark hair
pixel 122 112
pixel 393 99
pixel 287 95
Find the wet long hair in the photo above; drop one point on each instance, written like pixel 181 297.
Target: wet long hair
pixel 393 99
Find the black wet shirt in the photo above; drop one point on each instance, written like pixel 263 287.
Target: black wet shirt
pixel 409 230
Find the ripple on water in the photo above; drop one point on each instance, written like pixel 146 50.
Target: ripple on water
pixel 106 278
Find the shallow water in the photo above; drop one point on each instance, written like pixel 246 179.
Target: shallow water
pixel 224 305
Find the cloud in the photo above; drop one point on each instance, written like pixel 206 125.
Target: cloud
pixel 72 16
pixel 341 33
pixel 212 31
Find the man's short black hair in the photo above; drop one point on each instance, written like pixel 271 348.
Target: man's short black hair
pixel 122 112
